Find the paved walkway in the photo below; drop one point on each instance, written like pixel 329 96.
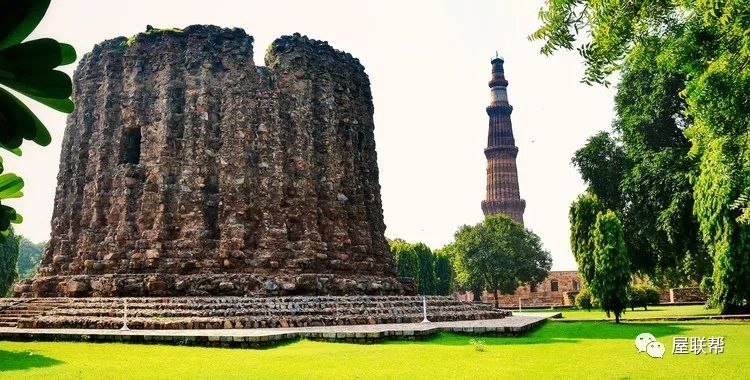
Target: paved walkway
pixel 510 326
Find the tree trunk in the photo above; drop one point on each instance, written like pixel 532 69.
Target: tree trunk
pixel 497 298
pixel 477 293
pixel 617 317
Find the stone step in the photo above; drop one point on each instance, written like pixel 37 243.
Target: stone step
pixel 246 312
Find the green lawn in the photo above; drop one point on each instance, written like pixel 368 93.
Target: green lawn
pixel 560 350
pixel 652 312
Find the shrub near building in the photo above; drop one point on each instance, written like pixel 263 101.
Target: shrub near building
pixel 642 295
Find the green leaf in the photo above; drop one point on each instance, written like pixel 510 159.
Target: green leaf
pixel 16 151
pixel 46 84
pixel 18 194
pixel 17 219
pixel 32 56
pixel 62 105
pixel 17 122
pixel 19 18
pixel 68 54
pixel 10 185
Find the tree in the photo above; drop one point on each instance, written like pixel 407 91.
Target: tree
pixel 27 67
pixel 415 260
pixel 660 229
pixel 584 299
pixel 582 216
pixel 642 295
pixel 612 273
pixel 706 44
pixel 29 256
pixel 406 259
pixel 426 274
pixel 8 259
pixel 500 253
pixel 443 271
pixel 602 164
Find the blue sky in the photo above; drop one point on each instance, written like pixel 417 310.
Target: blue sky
pixel 429 64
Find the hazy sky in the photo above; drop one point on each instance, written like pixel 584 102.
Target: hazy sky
pixel 429 64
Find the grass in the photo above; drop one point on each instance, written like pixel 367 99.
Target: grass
pixel 639 313
pixel 599 350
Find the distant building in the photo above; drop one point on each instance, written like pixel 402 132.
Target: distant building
pixel 558 289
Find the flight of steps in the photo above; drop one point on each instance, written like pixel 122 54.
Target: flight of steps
pixel 14 310
pixel 241 312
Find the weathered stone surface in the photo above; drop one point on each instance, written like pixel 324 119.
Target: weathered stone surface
pixel 186 169
pixel 218 312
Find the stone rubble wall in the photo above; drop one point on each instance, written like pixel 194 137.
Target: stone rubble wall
pixel 679 295
pixel 249 312
pixel 186 169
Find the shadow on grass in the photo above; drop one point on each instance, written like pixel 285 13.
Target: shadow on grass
pixel 16 360
pixel 567 332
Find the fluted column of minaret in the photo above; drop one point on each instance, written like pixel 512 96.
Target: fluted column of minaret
pixel 503 195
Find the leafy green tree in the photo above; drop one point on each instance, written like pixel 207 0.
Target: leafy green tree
pixel 582 216
pixel 415 260
pixel 602 164
pixel 642 295
pixel 406 258
pixel 705 45
pixel 443 271
pixel 29 256
pixel 8 259
pixel 612 267
pixel 500 253
pixel 29 68
pixel 660 229
pixel 426 275
pixel 585 300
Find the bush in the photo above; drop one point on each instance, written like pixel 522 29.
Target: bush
pixel 585 300
pixel 642 296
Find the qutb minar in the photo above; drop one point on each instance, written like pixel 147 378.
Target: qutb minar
pixel 503 196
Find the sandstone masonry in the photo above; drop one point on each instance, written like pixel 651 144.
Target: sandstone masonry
pixel 188 170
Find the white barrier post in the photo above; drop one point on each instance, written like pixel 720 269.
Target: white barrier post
pixel 125 318
pixel 424 310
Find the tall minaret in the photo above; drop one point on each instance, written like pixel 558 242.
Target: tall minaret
pixel 502 175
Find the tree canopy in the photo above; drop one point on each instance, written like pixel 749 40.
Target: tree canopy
pixel 500 253
pixel 685 77
pixel 8 260
pixel 427 268
pixel 611 265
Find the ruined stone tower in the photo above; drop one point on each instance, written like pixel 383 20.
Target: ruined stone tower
pixel 502 196
pixel 187 170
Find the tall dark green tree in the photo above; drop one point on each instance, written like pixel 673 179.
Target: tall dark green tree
pixel 500 253
pixel 696 65
pixel 417 261
pixel 582 218
pixel 603 164
pixel 8 260
pixel 612 267
pixel 426 274
pixel 29 256
pixel 443 271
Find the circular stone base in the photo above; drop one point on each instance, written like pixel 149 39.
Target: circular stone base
pixel 237 284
